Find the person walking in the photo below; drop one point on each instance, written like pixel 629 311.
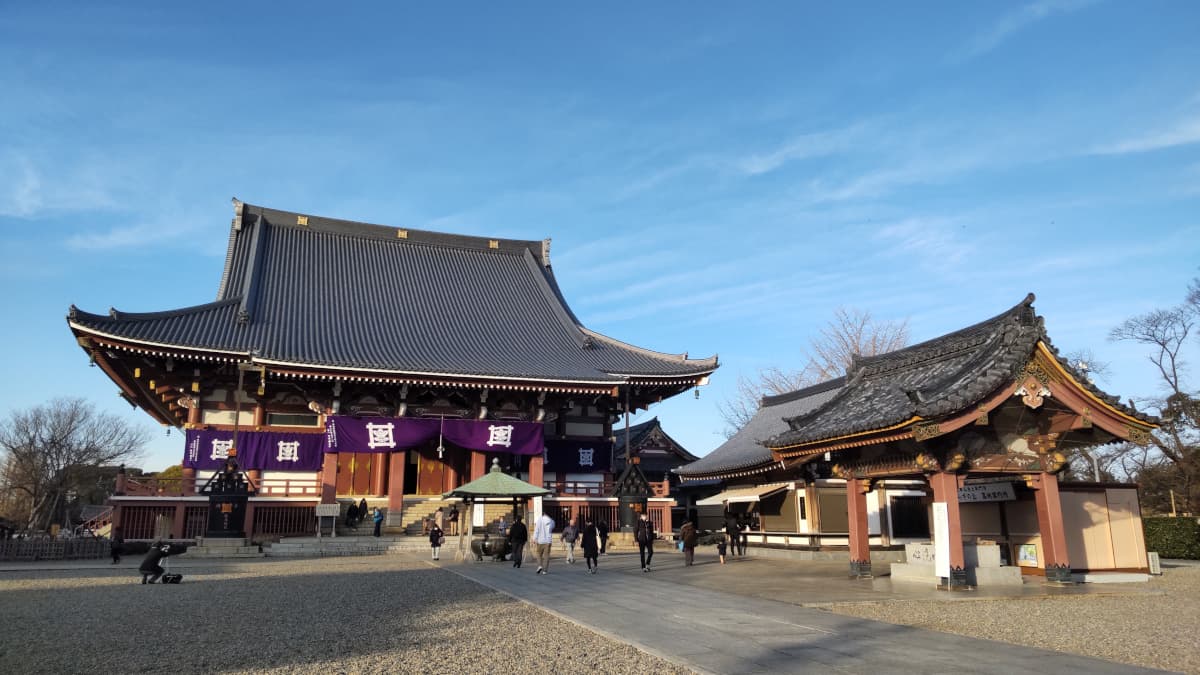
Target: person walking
pixel 743 538
pixel 732 534
pixel 518 534
pixel 645 536
pixel 543 540
pixel 377 517
pixel 436 539
pixel 689 536
pixel 721 547
pixel 352 516
pixel 589 541
pixel 362 509
pixel 569 534
pixel 115 544
pixel 453 519
pixel 602 530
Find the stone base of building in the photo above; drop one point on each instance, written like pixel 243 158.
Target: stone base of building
pixel 1059 574
pixel 861 569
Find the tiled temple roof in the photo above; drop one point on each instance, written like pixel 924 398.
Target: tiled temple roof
pixel 317 292
pixel 938 377
pixel 745 449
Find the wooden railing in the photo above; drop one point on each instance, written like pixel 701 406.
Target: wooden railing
pixel 583 488
pixel 287 487
pixel 98 525
pixel 152 486
pixel 178 487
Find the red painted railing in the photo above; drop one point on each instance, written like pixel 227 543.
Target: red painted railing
pixel 282 521
pixel 583 488
pixel 178 487
pixel 96 524
pixel 287 487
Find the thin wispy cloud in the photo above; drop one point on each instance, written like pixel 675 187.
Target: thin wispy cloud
pixel 805 146
pixel 29 187
pixel 156 233
pixel 1182 132
pixel 1018 20
pixel 932 241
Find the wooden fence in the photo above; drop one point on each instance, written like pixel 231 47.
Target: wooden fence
pixel 45 548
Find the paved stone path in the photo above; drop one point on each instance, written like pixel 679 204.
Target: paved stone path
pixel 710 631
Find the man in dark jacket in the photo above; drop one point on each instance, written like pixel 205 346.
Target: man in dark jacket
pixel 689 536
pixel 518 534
pixel 645 536
pixel 602 530
pixel 150 568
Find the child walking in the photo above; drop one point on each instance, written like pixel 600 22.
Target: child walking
pixel 436 539
pixel 721 549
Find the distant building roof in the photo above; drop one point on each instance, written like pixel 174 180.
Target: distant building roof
pixel 745 449
pixel 652 445
pixel 313 292
pixel 940 376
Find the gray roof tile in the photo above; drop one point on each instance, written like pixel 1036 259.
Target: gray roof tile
pixel 340 294
pixel 938 377
pixel 745 449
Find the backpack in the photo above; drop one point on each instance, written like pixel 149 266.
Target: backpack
pixel 569 534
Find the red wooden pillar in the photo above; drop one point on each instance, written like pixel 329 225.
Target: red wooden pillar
pixel 395 509
pixel 945 491
pixel 1050 524
pixel 860 544
pixel 535 478
pixel 188 482
pixel 329 478
pixel 380 465
pixel 478 464
pixel 535 470
pixel 249 521
pixel 180 519
pixel 255 476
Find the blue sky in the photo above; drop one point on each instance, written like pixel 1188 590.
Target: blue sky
pixel 716 178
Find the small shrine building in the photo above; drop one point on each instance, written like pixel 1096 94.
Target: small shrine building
pixel 960 440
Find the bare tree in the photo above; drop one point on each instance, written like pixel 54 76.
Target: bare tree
pixel 851 332
pixel 47 449
pixel 1173 459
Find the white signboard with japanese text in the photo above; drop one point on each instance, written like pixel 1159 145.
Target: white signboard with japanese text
pixel 941 539
pixel 986 492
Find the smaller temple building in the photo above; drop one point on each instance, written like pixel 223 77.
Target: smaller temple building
pixel 944 457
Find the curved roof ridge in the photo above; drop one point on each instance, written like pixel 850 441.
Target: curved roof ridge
pixel 803 392
pixel 339 226
pixel 916 353
pixel 75 314
pixel 677 358
pixel 1099 393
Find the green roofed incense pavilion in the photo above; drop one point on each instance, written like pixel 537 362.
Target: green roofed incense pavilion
pixel 321 323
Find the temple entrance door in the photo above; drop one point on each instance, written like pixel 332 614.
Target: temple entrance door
pixel 430 473
pixel 356 473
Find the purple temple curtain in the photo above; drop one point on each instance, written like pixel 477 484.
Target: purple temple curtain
pixel 384 434
pixel 206 449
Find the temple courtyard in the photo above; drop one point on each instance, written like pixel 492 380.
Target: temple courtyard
pixel 403 613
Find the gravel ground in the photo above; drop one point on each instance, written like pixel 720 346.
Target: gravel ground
pixel 386 614
pixel 1156 630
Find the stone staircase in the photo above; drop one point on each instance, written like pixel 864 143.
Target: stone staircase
pixel 223 548
pixel 312 547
